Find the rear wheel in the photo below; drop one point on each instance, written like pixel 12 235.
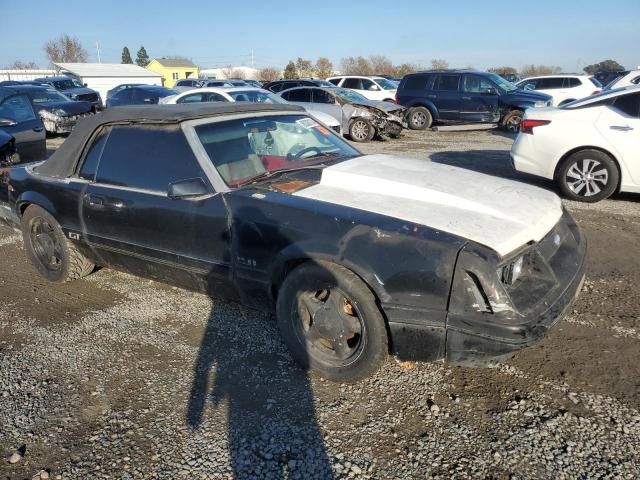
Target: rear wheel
pixel 588 176
pixel 55 257
pixel 331 323
pixel 511 121
pixel 419 118
pixel 361 130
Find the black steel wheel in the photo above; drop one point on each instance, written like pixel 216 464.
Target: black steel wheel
pixel 55 257
pixel 331 323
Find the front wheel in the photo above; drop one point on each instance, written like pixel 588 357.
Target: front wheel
pixel 512 120
pixel 588 176
pixel 361 130
pixel 53 256
pixel 331 323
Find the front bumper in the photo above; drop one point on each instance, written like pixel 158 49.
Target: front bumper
pixel 58 124
pixel 471 337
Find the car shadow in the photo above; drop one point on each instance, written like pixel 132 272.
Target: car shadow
pixel 490 162
pixel 244 373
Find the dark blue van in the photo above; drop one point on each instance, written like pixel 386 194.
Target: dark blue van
pixel 464 96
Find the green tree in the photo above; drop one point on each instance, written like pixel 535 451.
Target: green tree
pixel 605 65
pixel 290 71
pixel 304 68
pixel 324 68
pixel 126 56
pixel 142 58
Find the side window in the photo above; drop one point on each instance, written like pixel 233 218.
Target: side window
pixel 146 157
pixel 18 108
pixel 628 104
pixel 322 96
pixel 368 84
pixel 416 82
pixel 335 81
pixel 91 159
pixel 570 82
pixel 299 95
pixel 193 98
pixel 528 85
pixel 447 83
pixel 354 83
pixel 476 84
pixel 550 83
pixel 213 97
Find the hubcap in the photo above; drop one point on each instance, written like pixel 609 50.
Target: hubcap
pixel 330 324
pixel 360 130
pixel 587 177
pixel 513 123
pixel 46 246
pixel 419 119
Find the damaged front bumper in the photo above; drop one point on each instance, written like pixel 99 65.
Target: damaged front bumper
pixel 487 322
pixel 54 123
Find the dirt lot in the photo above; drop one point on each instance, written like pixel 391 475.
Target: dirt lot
pixel 119 377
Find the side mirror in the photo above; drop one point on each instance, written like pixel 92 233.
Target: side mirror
pixel 374 88
pixel 192 187
pixel 7 122
pixel 85 84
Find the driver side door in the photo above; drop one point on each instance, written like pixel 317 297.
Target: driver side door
pixel 479 100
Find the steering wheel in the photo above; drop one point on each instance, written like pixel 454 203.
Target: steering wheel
pixel 298 155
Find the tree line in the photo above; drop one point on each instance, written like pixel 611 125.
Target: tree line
pixel 67 49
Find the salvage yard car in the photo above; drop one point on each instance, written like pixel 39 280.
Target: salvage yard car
pixel 361 118
pixel 357 255
pixel 590 148
pixel 18 119
pixel 73 89
pixel 58 112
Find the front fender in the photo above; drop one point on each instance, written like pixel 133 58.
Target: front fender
pixel 35 198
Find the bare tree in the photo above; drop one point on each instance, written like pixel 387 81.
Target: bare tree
pixel 20 65
pixel 439 64
pixel 402 70
pixel 324 68
pixel 304 68
pixel 535 70
pixel 381 65
pixel 269 74
pixel 504 70
pixel 230 72
pixel 65 49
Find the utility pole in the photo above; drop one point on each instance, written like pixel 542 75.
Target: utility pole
pixel 98 49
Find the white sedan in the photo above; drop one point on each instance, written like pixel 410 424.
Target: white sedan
pixel 243 94
pixel 590 148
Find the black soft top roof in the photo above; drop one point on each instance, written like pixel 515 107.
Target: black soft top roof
pixel 63 162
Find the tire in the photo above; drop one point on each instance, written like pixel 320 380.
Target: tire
pixel 419 118
pixel 588 176
pixel 49 251
pixel 511 121
pixel 345 338
pixel 361 130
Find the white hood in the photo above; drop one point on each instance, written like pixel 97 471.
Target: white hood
pixel 498 213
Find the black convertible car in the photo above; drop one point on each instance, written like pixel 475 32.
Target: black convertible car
pixel 358 255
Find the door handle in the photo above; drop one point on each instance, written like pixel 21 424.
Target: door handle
pixel 432 96
pixel 466 98
pixel 38 129
pixel 94 201
pixel 621 128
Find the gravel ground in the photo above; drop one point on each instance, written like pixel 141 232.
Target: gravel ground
pixel 120 377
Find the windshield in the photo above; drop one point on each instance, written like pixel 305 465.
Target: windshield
pixel 503 84
pixel 349 95
pixel 244 150
pixel 386 84
pixel 67 84
pixel 47 96
pixel 257 96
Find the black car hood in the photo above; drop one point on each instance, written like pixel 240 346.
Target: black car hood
pixel 526 96
pixel 77 91
pixel 70 108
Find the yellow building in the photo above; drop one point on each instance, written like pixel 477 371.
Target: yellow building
pixel 173 69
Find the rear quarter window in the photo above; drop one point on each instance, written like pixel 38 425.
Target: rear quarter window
pixel 416 82
pixel 148 157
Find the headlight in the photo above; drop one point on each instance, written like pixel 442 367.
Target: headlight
pixel 512 271
pixel 59 112
pixel 540 103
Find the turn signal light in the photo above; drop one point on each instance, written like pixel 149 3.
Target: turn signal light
pixel 527 125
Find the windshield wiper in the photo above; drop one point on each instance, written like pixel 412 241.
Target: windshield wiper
pixel 272 173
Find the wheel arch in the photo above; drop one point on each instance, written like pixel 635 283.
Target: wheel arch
pixel 589 147
pixel 27 199
pixel 428 105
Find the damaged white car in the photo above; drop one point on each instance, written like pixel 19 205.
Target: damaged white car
pixel 360 117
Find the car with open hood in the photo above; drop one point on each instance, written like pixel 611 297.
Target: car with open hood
pixel 360 117
pixel 357 255
pixel 74 89
pixel 58 112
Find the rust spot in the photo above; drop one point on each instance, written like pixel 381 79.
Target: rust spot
pixel 292 186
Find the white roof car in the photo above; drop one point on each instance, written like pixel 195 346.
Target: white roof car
pixel 243 94
pixel 631 78
pixel 562 88
pixel 590 148
pixel 373 88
